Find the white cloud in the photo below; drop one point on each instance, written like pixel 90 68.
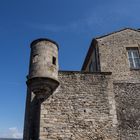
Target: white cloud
pixel 12 132
pixel 15 132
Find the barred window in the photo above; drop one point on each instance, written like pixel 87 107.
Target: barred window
pixel 134 58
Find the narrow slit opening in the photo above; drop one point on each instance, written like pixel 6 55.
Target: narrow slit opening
pixel 54 60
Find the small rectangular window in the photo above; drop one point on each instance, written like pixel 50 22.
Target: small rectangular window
pixel 134 58
pixel 35 58
pixel 54 60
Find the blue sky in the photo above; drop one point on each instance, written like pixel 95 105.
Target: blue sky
pixel 71 23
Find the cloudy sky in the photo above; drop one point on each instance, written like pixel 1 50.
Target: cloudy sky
pixel 71 23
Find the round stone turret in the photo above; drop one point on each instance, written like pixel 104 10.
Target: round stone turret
pixel 43 69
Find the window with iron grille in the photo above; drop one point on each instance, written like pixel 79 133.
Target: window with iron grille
pixel 134 58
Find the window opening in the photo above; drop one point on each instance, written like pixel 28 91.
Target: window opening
pixel 134 58
pixel 35 58
pixel 54 60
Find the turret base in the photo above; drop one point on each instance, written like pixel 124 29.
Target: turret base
pixel 42 87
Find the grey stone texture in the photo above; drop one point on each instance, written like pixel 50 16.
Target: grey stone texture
pixel 79 109
pixel 127 97
pixel 43 70
pixel 41 61
pixel 113 54
pixel 103 105
pixel 126 81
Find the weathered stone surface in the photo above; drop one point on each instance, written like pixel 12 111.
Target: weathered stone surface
pixel 79 109
pixel 41 63
pixel 91 106
pixel 113 54
pixel 128 110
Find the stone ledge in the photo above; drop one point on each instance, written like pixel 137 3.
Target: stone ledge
pixel 82 72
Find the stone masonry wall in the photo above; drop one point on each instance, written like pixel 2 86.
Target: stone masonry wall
pixel 113 54
pixel 114 58
pixel 127 97
pixel 82 108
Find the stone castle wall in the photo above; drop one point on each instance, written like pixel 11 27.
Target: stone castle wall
pixel 92 106
pixel 82 108
pixel 126 81
pixel 113 54
pixel 87 106
pixel 127 97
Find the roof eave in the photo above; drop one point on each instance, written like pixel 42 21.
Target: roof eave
pixel 116 32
